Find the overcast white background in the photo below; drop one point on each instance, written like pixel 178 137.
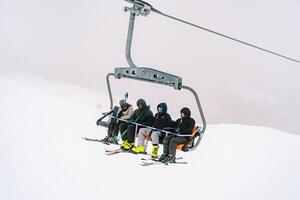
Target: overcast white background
pixel 54 56
pixel 81 41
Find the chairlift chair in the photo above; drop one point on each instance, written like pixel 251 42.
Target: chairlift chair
pixel 149 75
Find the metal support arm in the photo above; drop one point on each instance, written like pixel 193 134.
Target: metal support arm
pixel 129 40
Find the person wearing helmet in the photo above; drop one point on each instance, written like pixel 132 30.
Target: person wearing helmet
pixel 125 112
pixel 183 126
pixel 161 120
pixel 142 115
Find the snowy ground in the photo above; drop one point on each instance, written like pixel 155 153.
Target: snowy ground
pixel 42 155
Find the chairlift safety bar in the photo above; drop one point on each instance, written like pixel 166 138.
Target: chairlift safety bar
pixel 156 129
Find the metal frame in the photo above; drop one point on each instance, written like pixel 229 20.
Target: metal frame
pixel 149 74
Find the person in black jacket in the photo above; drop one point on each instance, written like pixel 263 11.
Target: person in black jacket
pixel 161 120
pixel 143 115
pixel 183 126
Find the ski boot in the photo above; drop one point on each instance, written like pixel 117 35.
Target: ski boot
pixel 169 159
pixel 154 151
pixel 105 140
pixel 113 140
pixel 162 157
pixel 139 149
pixel 124 143
pixel 126 146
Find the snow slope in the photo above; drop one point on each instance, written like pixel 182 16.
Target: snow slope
pixel 42 155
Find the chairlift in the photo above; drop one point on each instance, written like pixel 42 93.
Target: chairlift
pixel 141 8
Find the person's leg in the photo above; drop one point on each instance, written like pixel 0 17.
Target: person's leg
pixel 173 144
pixel 110 129
pixel 131 133
pixel 155 142
pixel 112 123
pixel 116 127
pixel 166 144
pixel 155 137
pixel 165 147
pixel 123 131
pixel 113 139
pixel 109 132
pixel 141 136
pixel 141 147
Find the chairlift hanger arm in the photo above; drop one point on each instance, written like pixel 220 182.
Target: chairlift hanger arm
pixel 129 40
pixel 109 89
pixel 139 8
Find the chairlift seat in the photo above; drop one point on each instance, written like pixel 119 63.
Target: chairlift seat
pixel 183 147
pixel 190 143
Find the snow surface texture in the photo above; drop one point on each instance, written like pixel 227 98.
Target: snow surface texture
pixel 42 155
pixel 82 41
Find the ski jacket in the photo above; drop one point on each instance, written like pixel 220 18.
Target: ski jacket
pixel 162 120
pixel 142 116
pixel 185 126
pixel 125 113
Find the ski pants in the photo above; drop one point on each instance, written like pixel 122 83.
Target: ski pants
pixel 145 132
pixel 170 143
pixel 127 132
pixel 113 128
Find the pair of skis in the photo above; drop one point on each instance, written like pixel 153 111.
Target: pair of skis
pixel 144 161
pixel 153 161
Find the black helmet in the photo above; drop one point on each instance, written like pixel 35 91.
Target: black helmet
pixel 186 111
pixel 141 103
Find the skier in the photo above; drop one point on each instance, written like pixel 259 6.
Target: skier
pixel 143 115
pixel 161 120
pixel 125 112
pixel 184 126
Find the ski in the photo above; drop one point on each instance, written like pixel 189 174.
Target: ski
pixel 117 151
pixel 156 160
pixel 95 140
pixel 144 163
pixel 109 152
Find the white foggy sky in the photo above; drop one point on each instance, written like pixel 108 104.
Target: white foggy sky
pixel 81 41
